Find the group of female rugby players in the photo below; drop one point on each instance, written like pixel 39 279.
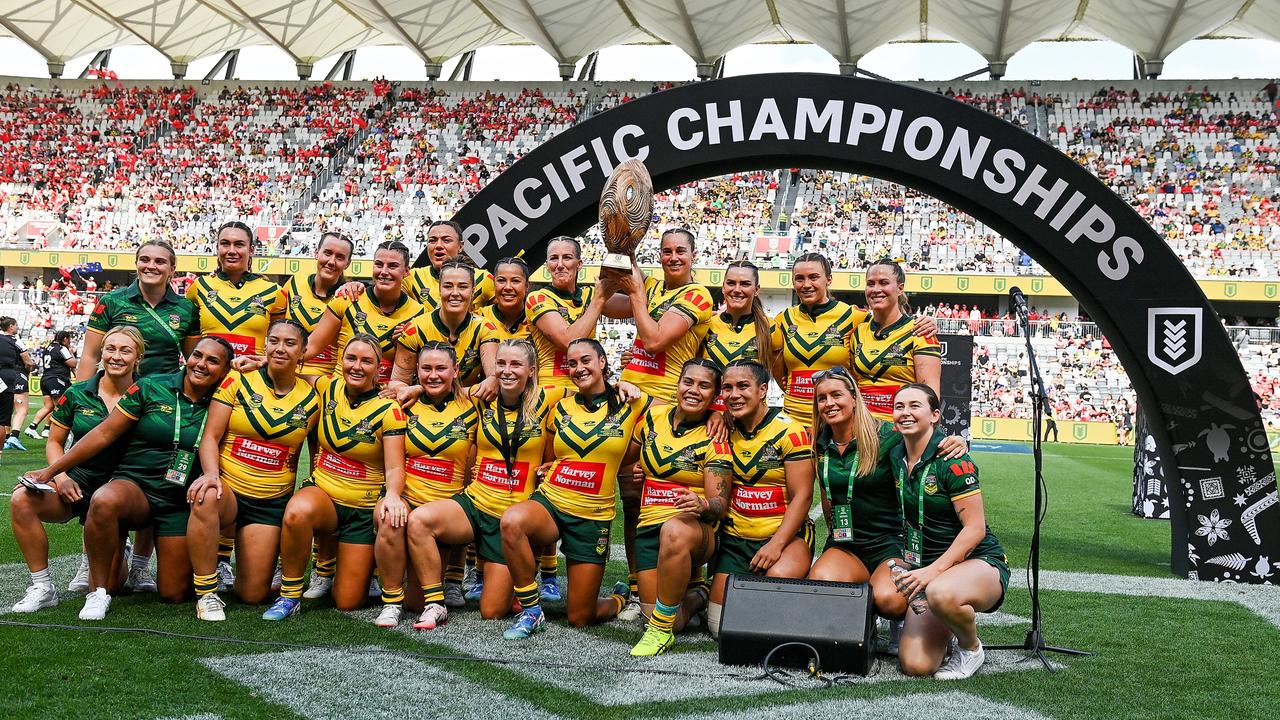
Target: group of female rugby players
pixel 447 408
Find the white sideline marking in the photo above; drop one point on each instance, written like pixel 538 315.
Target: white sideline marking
pixel 1263 600
pixel 949 704
pixel 592 656
pixel 201 716
pixel 337 685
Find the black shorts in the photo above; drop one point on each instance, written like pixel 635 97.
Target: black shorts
pixel 21 383
pixel 54 386
pixel 6 407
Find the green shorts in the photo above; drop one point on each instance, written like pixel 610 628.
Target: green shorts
pixel 355 525
pixel 257 511
pixel 167 504
pixel 486 530
pixel 734 554
pixel 88 485
pixel 1002 566
pixel 581 540
pixel 648 544
pixel 872 553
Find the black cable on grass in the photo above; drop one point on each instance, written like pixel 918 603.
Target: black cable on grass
pixel 768 674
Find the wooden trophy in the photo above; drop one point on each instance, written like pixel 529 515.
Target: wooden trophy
pixel 626 209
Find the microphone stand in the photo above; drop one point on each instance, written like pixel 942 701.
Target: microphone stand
pixel 1034 643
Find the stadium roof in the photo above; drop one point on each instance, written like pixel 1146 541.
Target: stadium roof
pixel 436 30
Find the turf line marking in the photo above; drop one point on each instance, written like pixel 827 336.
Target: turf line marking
pixel 591 656
pixel 1260 599
pixel 201 716
pixel 336 685
pixel 949 704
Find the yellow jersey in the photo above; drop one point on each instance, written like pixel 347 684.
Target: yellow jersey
pixel 350 465
pixel 438 442
pixel 363 315
pixel 884 361
pixel 465 339
pixel 658 373
pixel 259 456
pixel 812 340
pixel 730 339
pixel 306 308
pixel 423 284
pixel 570 306
pixel 495 485
pixel 759 497
pixel 237 312
pixel 501 330
pixel 589 443
pixel 674 457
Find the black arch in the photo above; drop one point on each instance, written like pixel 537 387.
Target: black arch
pixel 1203 412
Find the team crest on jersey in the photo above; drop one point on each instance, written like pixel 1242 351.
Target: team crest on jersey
pixel 832 336
pixel 255 401
pixel 164 408
pixel 298 418
pixel 129 319
pixel 330 406
pixel 257 306
pixel 361 317
pixel 363 431
pixel 212 294
pixel 931 485
pixel 174 321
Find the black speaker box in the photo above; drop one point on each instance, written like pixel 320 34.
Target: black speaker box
pixel 761 613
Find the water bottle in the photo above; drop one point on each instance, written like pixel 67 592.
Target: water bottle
pixel 918 602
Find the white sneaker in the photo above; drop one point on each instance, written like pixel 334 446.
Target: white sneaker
pixel 318 587
pixel 962 664
pixel 96 605
pixel 453 596
pixel 80 583
pixel 31 432
pixel 375 588
pixel 210 607
pixel 226 576
pixel 141 580
pixel 631 611
pixel 389 617
pixel 432 617
pixel 45 433
pixel 37 597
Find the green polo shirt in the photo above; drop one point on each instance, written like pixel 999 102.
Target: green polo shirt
pixel 155 403
pixel 875 498
pixel 79 410
pixel 163 328
pixel 944 482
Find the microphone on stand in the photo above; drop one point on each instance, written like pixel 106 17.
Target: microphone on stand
pixel 1019 301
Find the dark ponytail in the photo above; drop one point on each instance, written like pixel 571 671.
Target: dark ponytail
pixel 900 276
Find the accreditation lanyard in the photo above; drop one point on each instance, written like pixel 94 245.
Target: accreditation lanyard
pixel 147 306
pixel 841 514
pixel 914 552
pixel 180 466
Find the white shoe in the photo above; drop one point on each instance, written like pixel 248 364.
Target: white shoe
pixel 453 596
pixel 96 605
pixel 389 617
pixel 210 607
pixel 45 433
pixel 37 597
pixel 277 579
pixel 31 432
pixel 631 611
pixel 80 583
pixel 432 617
pixel 962 664
pixel 318 587
pixel 141 580
pixel 375 588
pixel 226 576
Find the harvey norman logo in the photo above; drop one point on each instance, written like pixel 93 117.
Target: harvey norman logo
pixel 1174 337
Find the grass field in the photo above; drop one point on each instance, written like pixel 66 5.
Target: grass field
pixel 1157 656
